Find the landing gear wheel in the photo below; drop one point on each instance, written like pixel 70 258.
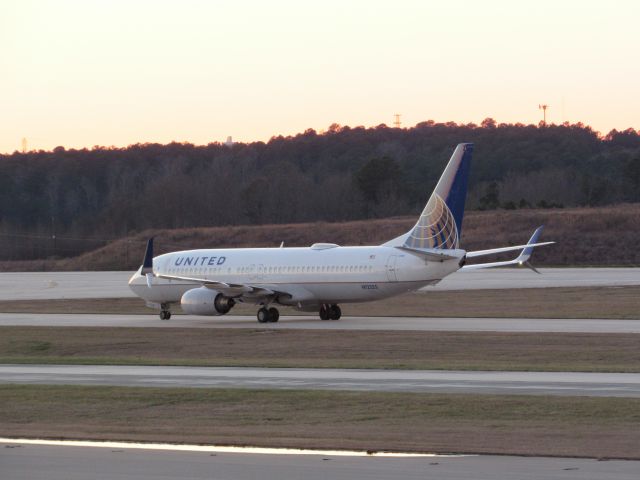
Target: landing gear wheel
pixel 334 312
pixel 263 315
pixel 324 312
pixel 165 314
pixel 274 315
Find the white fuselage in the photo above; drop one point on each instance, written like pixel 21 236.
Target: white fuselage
pixel 320 274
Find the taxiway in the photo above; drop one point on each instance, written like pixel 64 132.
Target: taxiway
pixel 70 463
pixel 536 325
pixel 421 381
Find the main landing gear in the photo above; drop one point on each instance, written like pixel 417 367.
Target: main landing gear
pixel 330 312
pixel 268 315
pixel 165 314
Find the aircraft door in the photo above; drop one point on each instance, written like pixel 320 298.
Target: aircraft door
pixel 261 270
pixel 391 268
pixel 252 272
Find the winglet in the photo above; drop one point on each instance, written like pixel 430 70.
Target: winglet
pixel 147 263
pixel 523 258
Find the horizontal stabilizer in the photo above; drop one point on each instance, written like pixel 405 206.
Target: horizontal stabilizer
pixel 521 260
pixel 493 251
pixel 435 253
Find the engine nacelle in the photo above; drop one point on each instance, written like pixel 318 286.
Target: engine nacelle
pixel 204 301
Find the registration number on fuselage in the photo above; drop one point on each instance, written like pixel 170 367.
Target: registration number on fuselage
pixel 369 286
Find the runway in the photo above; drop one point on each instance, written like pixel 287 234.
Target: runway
pixel 523 325
pixel 21 461
pixel 52 285
pixel 420 381
pixel 502 278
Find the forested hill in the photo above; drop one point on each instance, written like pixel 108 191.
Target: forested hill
pixel 342 174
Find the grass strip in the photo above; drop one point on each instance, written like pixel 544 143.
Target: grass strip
pixel 322 348
pixel 515 425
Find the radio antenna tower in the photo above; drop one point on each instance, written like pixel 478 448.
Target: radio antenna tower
pixel 24 145
pixel 544 107
pixel 396 122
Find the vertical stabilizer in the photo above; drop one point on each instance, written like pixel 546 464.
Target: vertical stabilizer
pixel 440 224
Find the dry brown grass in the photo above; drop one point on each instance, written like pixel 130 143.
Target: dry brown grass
pixel 585 236
pixel 321 348
pixel 564 302
pixel 516 425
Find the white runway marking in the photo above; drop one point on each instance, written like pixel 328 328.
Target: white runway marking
pixel 218 449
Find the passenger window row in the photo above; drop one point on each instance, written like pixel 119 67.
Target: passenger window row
pixel 306 269
pixel 274 270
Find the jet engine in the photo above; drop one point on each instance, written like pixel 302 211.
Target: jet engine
pixel 204 301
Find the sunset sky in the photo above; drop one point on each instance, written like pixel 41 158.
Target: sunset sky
pixel 85 73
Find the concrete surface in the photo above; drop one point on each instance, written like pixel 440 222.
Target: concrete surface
pixel 48 285
pixel 503 383
pixel 550 277
pixel 34 462
pixel 538 325
pixel 45 285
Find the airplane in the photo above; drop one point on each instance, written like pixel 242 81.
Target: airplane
pixel 323 276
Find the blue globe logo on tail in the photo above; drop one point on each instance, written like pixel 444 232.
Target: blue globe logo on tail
pixel 436 227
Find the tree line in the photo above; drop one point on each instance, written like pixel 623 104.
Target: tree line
pixel 62 202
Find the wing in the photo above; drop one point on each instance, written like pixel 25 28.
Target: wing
pixel 229 289
pixel 521 260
